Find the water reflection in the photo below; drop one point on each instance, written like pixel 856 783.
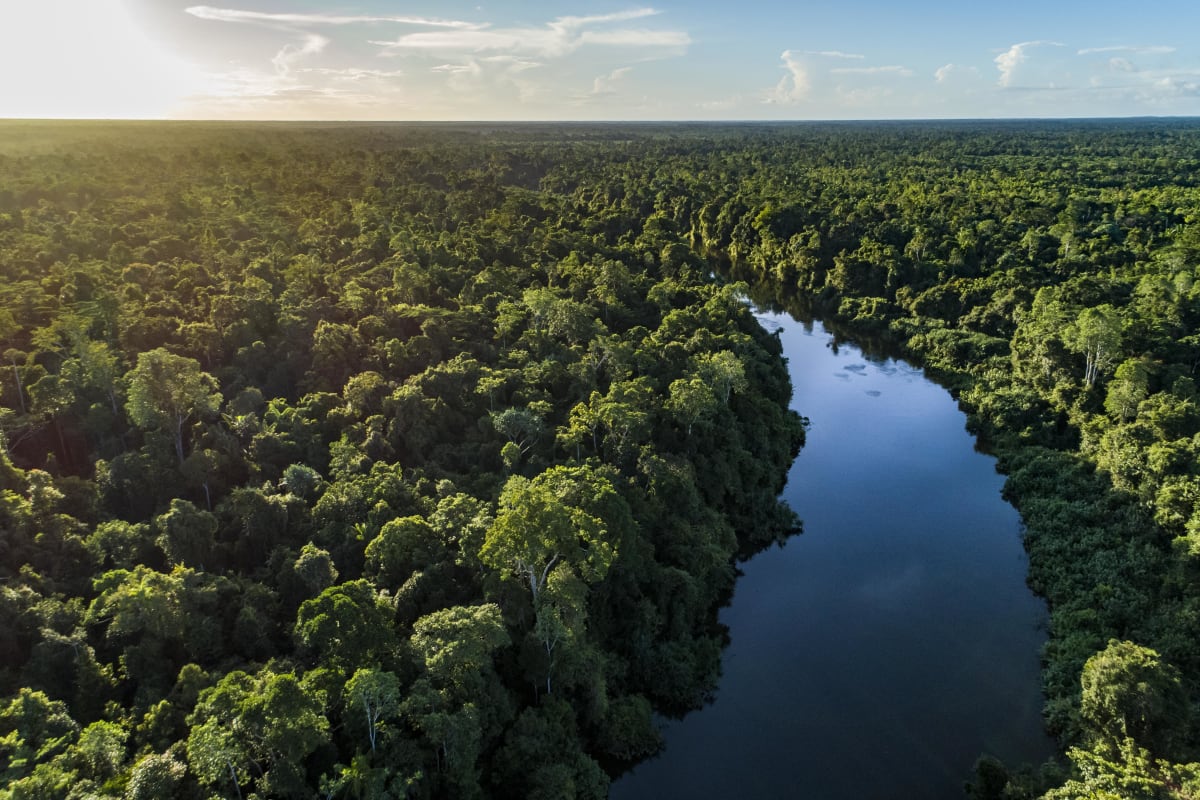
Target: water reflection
pixel 881 652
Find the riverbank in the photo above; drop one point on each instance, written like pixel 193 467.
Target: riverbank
pixel 883 650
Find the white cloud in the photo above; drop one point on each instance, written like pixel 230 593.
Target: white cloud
pixel 794 86
pixel 555 39
pixel 1008 61
pixel 1157 49
pixel 1178 86
pixel 950 74
pixel 832 54
pixel 470 68
pixel 291 53
pixel 453 68
pixel 892 69
pixel 354 73
pixel 514 63
pixel 636 38
pixel 603 86
pixel 235 15
pixel 309 43
pixel 607 84
pixel 599 19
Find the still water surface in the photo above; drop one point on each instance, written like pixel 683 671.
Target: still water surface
pixel 878 654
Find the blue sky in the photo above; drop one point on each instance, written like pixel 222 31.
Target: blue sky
pixel 596 59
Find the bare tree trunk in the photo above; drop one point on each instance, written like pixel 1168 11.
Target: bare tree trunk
pixel 233 774
pixel 20 391
pixel 179 438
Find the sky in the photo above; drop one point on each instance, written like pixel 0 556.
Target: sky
pixel 597 59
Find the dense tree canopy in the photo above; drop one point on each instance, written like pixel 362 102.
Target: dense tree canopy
pixel 294 494
pixel 269 433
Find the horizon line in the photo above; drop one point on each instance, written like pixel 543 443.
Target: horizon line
pixel 575 121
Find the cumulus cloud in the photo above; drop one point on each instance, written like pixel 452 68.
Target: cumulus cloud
pixel 795 85
pixel 1008 61
pixel 1178 86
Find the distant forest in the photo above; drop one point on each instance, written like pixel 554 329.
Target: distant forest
pixel 367 461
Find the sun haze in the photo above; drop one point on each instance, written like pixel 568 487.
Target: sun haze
pixel 86 59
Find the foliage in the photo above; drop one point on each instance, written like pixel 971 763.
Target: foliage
pixel 353 479
pixel 448 369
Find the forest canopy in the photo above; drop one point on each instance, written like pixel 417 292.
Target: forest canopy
pixel 424 452
pixel 348 461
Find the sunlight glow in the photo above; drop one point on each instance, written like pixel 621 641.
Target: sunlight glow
pixel 85 59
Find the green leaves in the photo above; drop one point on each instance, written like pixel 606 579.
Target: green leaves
pixel 1096 334
pixel 372 695
pixel 346 626
pixel 403 546
pixel 547 519
pixel 166 391
pixel 186 534
pixel 1129 693
pixel 266 723
pixel 400 329
pixel 457 642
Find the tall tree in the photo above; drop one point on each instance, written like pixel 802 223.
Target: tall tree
pixel 372 694
pixel 1096 333
pixel 166 391
pixel 546 520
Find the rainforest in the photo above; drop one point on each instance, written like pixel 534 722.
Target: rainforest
pixel 366 460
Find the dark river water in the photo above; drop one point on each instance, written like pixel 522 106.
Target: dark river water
pixel 879 653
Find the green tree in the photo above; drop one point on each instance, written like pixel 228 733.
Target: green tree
pixel 1129 387
pixel 1096 333
pixel 403 546
pixel 346 626
pixel 33 729
pixel 1130 693
pixel 156 777
pixel 454 703
pixel 724 372
pixel 186 534
pixel 691 400
pixel 166 391
pixel 545 520
pixel 372 695
pixel 266 722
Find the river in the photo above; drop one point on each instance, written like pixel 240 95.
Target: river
pixel 879 653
